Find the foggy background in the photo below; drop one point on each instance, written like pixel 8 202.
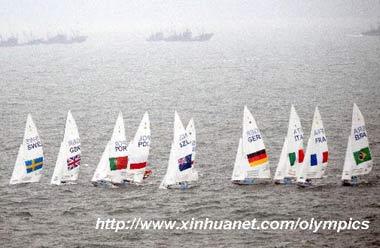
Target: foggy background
pixel 148 16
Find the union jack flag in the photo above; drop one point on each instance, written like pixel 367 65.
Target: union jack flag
pixel 73 162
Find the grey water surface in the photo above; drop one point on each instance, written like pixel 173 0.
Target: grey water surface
pixel 211 82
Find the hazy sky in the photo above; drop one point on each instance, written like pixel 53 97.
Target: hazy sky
pixel 124 15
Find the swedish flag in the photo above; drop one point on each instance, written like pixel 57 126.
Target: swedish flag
pixel 34 164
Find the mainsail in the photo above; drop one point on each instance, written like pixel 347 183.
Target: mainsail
pixel 254 151
pixel 138 151
pixel 292 149
pixel 295 144
pixel 114 159
pixel 251 158
pixel 316 156
pixel 69 156
pixel 180 167
pixel 30 158
pixel 190 129
pixel 358 160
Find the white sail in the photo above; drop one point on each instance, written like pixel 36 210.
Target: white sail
pixel 348 161
pixel 316 156
pixel 295 144
pixel 283 162
pixel 59 165
pixel 359 145
pixel 253 148
pixel 69 157
pixel 102 169
pixel 190 129
pixel 239 172
pixel 29 162
pixel 180 168
pixel 170 176
pixel 138 151
pixel 114 159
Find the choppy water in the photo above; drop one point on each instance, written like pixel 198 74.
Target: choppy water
pixel 211 82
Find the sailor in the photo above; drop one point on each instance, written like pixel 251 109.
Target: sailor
pixel 354 180
pixel 287 180
pixel 183 185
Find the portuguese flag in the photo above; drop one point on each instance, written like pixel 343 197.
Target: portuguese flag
pixel 257 158
pixel 362 155
pixel 118 163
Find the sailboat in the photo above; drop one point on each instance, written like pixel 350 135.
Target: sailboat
pixel 251 160
pixel 113 163
pixel 69 157
pixel 180 171
pixel 30 157
pixel 138 153
pixel 316 156
pixel 358 160
pixel 292 153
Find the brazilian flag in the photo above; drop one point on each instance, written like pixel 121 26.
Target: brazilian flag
pixel 362 155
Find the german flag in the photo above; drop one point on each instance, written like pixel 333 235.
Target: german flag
pixel 257 158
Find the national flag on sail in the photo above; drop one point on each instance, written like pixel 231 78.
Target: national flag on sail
pixel 185 163
pixel 362 155
pixel 325 157
pixel 301 155
pixel 136 166
pixel 257 158
pixel 118 163
pixel 34 164
pixel 293 157
pixel 313 160
pixel 73 162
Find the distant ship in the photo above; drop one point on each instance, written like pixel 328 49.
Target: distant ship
pixel 184 36
pixel 57 39
pixel 373 32
pixel 9 42
pixel 64 39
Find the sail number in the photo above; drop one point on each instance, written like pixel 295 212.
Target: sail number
pixel 360 133
pixel 322 138
pixel 253 135
pixel 33 142
pixel 144 141
pixel 298 134
pixel 183 141
pixel 121 146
